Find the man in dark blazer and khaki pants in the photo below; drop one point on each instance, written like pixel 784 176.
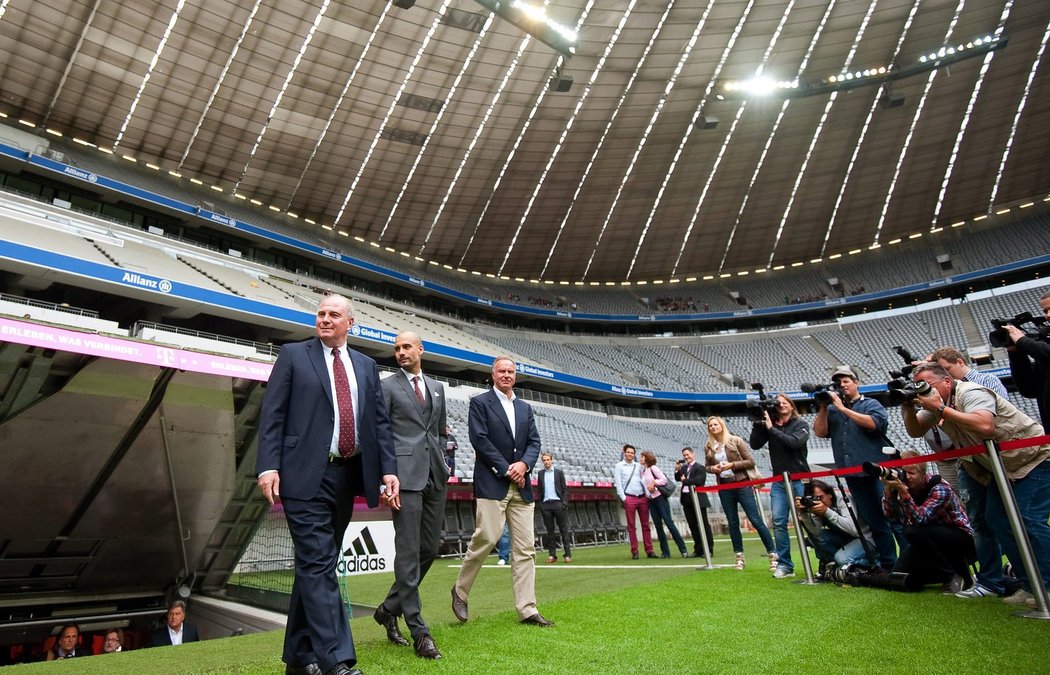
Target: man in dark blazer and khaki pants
pixel 324 438
pixel 417 417
pixel 506 445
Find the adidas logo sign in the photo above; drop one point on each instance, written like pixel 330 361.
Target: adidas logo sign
pixel 361 556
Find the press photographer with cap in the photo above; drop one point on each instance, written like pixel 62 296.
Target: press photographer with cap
pixel 857 426
pixel 969 414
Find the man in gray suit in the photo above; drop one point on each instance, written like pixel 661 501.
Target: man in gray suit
pixel 417 417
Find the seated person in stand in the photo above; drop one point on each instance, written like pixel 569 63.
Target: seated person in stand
pixel 113 642
pixel 177 631
pixel 830 528
pixel 939 535
pixel 68 646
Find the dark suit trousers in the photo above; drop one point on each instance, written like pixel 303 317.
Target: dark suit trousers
pixel 555 511
pixel 694 526
pixel 318 630
pixel 417 535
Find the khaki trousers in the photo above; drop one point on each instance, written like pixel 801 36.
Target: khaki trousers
pixel 518 514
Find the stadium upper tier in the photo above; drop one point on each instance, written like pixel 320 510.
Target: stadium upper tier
pixel 714 363
pixel 937 259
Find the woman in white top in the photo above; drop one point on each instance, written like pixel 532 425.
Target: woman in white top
pixel 728 458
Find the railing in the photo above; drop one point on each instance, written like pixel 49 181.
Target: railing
pixel 49 305
pixel 261 347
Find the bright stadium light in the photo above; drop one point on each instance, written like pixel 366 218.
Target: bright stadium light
pixel 534 21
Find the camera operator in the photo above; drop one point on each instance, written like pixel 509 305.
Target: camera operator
pixel 954 361
pixel 857 426
pixel 787 435
pixel 940 539
pixel 829 527
pixel 1030 363
pixel 969 413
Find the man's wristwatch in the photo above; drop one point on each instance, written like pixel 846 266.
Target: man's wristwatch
pixel 940 411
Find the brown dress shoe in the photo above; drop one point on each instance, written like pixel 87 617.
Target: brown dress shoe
pixel 567 558
pixel 537 620
pixel 388 621
pixel 459 606
pixel 552 559
pixel 426 649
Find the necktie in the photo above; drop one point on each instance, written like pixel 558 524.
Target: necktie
pixel 419 394
pixel 347 432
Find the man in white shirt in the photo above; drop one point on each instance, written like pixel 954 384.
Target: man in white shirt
pixel 177 631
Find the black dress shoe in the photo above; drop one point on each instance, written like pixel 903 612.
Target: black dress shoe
pixel 459 606
pixel 538 620
pixel 634 556
pixel 309 669
pixel 426 649
pixel 388 621
pixel 342 669
pixel 650 554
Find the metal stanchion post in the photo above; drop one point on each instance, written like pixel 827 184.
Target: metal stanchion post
pixel 703 534
pixel 803 550
pixel 1024 546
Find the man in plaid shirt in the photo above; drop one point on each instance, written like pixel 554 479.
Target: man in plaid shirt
pixel 940 539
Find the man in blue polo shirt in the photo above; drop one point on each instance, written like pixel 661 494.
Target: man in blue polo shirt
pixel 856 426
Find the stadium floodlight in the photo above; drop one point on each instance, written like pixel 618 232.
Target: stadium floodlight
pixel 939 58
pixel 758 86
pixel 534 20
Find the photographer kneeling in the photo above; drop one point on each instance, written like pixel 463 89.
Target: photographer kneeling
pixel 940 538
pixel 830 527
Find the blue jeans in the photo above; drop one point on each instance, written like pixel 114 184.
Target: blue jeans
pixel 744 498
pixel 503 545
pixel 867 500
pixel 1033 501
pixel 836 545
pixel 781 507
pixel 989 554
pixel 660 510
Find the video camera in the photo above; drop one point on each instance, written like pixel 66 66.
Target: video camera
pixel 757 408
pixel 1039 329
pixel 902 388
pixel 821 392
pixel 881 472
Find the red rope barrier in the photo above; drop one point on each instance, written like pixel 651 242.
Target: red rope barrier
pixel 955 453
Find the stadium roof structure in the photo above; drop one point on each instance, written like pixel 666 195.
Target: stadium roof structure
pixel 674 139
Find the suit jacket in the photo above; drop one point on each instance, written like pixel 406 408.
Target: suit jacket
pixel 161 637
pixel 695 477
pixel 496 449
pixel 419 431
pixel 559 485
pixel 298 418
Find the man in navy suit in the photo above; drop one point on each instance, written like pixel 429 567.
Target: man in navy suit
pixel 324 438
pixel 507 445
pixel 419 422
pixel 177 631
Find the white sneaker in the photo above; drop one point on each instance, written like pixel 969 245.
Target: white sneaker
pixel 773 562
pixel 1018 598
pixel 977 591
pixel 502 562
pixel 782 573
pixel 740 561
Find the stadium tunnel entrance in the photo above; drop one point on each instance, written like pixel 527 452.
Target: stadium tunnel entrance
pixel 125 485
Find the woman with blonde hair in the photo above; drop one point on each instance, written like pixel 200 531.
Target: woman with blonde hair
pixel 728 458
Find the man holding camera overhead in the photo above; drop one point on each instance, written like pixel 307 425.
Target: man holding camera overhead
pixel 857 426
pixel 969 413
